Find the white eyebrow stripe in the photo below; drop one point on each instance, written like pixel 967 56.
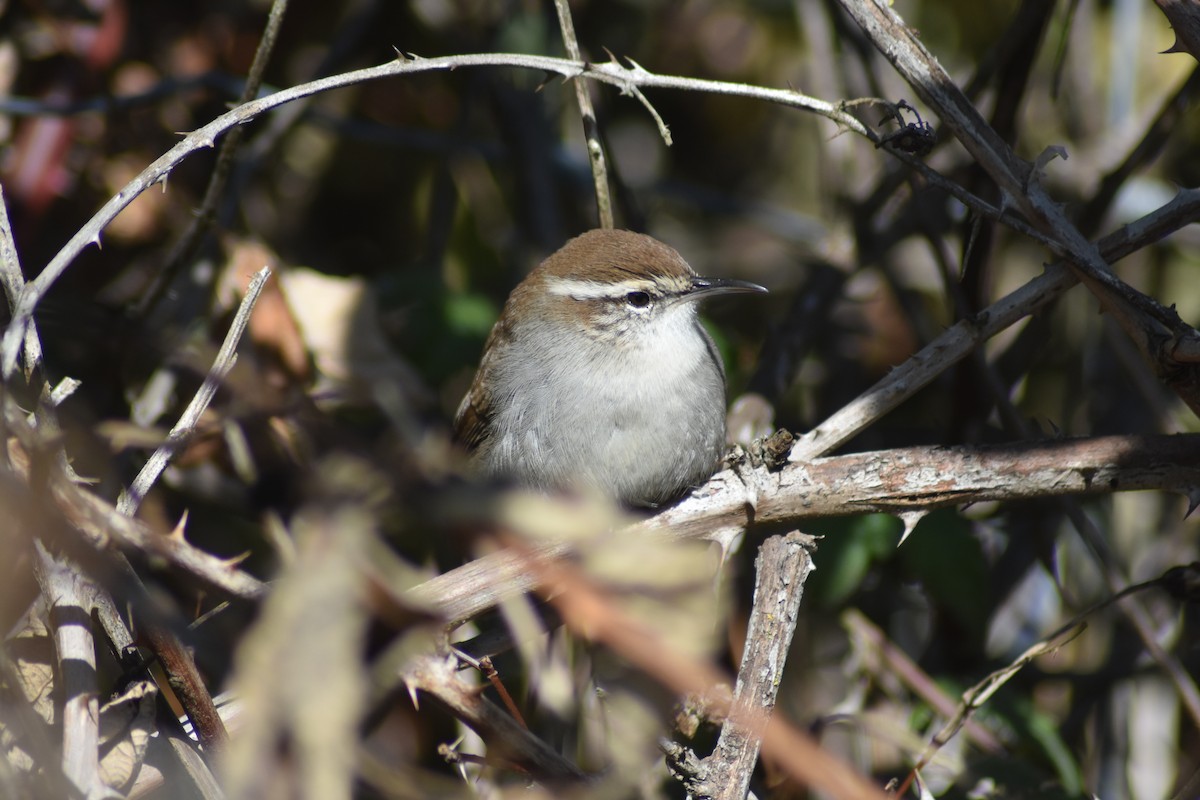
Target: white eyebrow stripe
pixel 595 290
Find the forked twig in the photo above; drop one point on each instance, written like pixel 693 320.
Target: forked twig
pixel 226 357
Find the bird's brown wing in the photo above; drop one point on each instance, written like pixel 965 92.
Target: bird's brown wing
pixel 472 422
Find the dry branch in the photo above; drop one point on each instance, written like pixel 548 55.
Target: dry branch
pixel 1157 331
pixel 589 612
pixel 782 566
pixel 961 339
pixel 187 243
pixel 226 357
pixel 1184 16
pixel 438 676
pixel 206 136
pixel 890 481
pixel 69 599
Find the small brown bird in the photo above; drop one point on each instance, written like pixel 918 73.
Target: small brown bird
pixel 599 376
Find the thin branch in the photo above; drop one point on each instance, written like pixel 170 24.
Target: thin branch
pixel 438 677
pixel 1152 327
pixel 889 481
pixel 591 131
pixel 1114 575
pixel 974 698
pixel 894 662
pixel 185 246
pixel 205 137
pixel 102 527
pixel 782 566
pixel 961 339
pixel 1156 331
pixel 69 599
pixel 226 357
pixel 13 281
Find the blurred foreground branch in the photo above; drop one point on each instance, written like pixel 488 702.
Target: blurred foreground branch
pixel 902 481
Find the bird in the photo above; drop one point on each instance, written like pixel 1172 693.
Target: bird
pixel 599 377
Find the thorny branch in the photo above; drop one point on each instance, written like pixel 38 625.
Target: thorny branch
pixel 1158 332
pixel 611 73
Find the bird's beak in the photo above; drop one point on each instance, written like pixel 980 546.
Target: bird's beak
pixel 703 287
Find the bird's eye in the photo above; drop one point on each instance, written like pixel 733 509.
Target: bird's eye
pixel 638 299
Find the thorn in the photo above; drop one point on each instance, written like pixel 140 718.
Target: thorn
pixel 1043 160
pixel 177 532
pixel 412 695
pixel 1193 498
pixel 1049 154
pixel 236 561
pixel 96 241
pixel 910 520
pixel 636 66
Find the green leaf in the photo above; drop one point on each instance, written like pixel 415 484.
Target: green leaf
pixel 469 314
pixel 947 559
pixel 849 549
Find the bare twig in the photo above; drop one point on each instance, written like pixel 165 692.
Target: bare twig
pixel 69 596
pixel 1154 329
pixel 894 661
pixel 488 670
pixel 226 357
pixel 438 677
pixel 961 339
pixel 974 698
pixel 782 566
pixel 923 478
pixel 13 281
pixel 1114 575
pixel 591 131
pixel 182 675
pixel 185 247
pixel 102 527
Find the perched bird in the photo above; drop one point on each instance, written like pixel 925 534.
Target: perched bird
pixel 599 376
